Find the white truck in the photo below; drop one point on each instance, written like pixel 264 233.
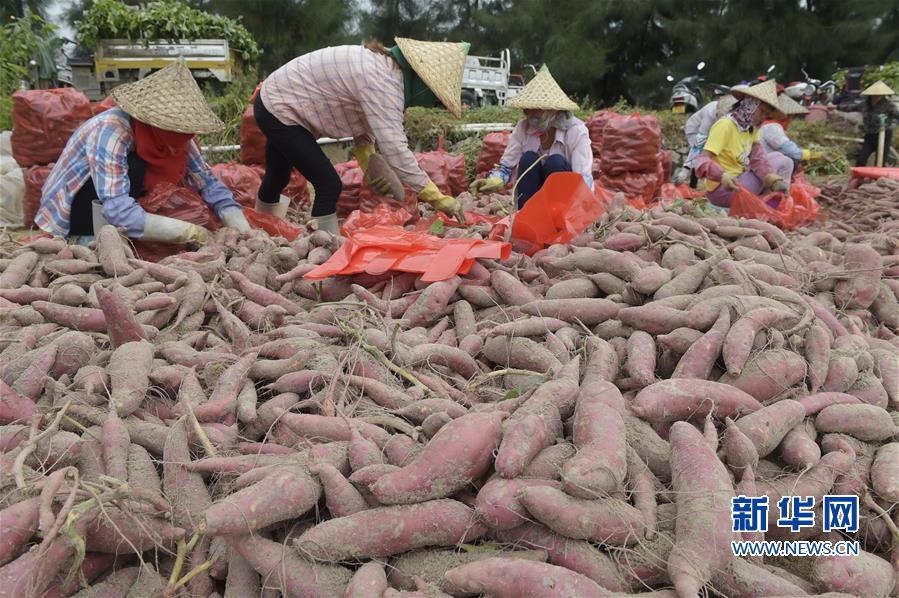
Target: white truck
pixel 488 81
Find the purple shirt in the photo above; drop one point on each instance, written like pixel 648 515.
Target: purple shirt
pixel 572 143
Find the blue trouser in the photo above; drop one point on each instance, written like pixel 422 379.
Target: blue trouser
pixel 531 182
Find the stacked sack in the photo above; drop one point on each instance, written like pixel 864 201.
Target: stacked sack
pixel 43 120
pixel 492 148
pixel 12 185
pixel 628 155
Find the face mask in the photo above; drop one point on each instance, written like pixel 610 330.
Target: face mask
pixel 540 123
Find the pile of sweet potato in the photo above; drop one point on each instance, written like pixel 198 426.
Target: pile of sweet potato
pixel 569 424
pixel 864 209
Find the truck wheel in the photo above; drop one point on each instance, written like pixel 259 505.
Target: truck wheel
pixel 469 99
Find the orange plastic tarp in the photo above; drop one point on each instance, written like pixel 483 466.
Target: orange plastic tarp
pixel 874 172
pixel 375 244
pixel 562 209
pixel 788 211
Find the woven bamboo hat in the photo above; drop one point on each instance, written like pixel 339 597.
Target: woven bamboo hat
pixel 726 103
pixel 879 89
pixel 440 65
pixel 765 92
pixel 169 99
pixel 542 93
pixel 789 106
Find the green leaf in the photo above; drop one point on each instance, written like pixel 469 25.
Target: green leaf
pixel 512 393
pixel 437 227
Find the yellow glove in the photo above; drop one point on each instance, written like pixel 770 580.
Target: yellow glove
pixel 806 155
pixel 491 184
pixel 813 155
pixel 363 153
pixel 774 182
pixel 729 181
pixel 450 206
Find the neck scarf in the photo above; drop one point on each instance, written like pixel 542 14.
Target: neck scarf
pixel 561 120
pixel 165 153
pixel 415 91
pixel 743 112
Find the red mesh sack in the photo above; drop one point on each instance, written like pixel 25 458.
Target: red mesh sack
pixel 446 170
pixel 369 201
pixel 639 188
pixel 597 168
pixel 243 181
pixel 173 201
pixel 665 162
pixel 296 189
pixel 35 177
pixel 630 144
pixel 103 106
pixel 492 148
pixel 351 177
pixel 595 125
pixel 252 140
pixel 43 120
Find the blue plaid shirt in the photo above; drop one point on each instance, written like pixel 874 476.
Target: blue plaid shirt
pixel 99 149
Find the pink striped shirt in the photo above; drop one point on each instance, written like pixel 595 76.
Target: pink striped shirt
pixel 347 91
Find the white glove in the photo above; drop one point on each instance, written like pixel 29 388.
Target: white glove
pixel 171 230
pixel 234 218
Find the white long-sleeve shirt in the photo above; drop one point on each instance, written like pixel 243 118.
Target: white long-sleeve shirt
pixel 700 122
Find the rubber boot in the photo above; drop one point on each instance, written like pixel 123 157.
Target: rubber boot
pixel 328 223
pixel 275 209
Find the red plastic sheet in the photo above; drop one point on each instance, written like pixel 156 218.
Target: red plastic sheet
pixel 874 172
pixel 242 180
pixel 252 140
pixel 785 211
pixel 630 144
pixel 375 244
pixel 42 122
pixel 273 225
pixel 35 177
pixel 492 148
pixel 562 209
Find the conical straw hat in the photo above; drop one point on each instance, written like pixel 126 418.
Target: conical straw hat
pixel 789 106
pixel 879 89
pixel 766 92
pixel 542 93
pixel 169 99
pixel 440 65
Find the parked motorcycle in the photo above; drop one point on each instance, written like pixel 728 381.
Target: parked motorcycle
pixel 811 90
pixel 686 95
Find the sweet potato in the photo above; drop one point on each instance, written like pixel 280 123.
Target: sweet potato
pixel 129 370
pixel 279 567
pixel 863 575
pixel 429 306
pixel 798 448
pixel 577 555
pixel 362 452
pixel 458 454
pixel 884 474
pixel 641 358
pixel 521 353
pixel 687 281
pixel 497 503
pixel 455 359
pixel 184 489
pixel 18 523
pixel 111 252
pixel 739 450
pixel 767 427
pixel 510 289
pixel 654 319
pixel 511 578
pixel 703 493
pixel 14 408
pixel 599 467
pixel 573 288
pixel 610 521
pixel 769 374
pixel 526 436
pixel 861 289
pixel 674 400
pixel 700 357
pixel 115 444
pixel 120 322
pixel 738 341
pixel 548 463
pixel 283 495
pixel 589 312
pixel 385 531
pixel 369 580
pixel 865 422
pixel 842 372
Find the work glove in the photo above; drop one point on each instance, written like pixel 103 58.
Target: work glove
pixel 234 218
pixel 811 155
pixel 363 154
pixel 774 182
pixel 450 206
pixel 171 230
pixel 729 181
pixel 492 184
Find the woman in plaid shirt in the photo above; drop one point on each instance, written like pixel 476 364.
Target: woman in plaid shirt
pixel 360 92
pixel 115 156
